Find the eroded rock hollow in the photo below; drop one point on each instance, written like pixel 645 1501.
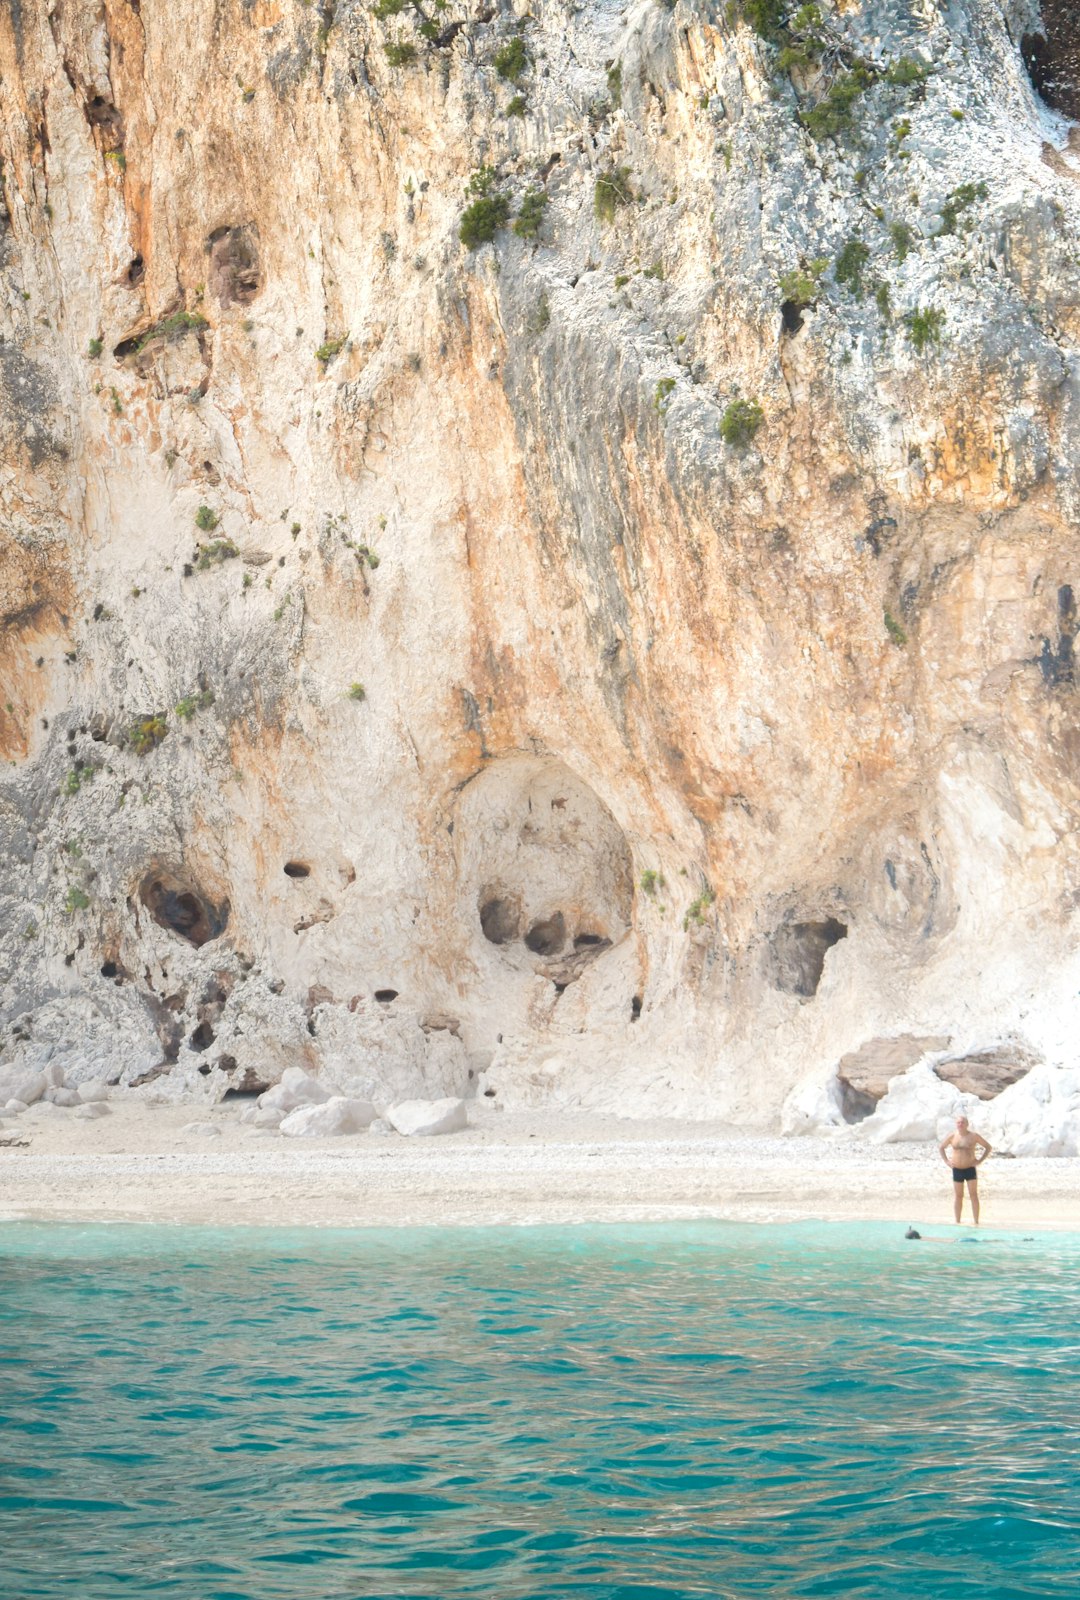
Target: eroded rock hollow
pixel 539 546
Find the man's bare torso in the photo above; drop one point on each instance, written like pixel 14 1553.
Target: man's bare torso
pixel 962 1148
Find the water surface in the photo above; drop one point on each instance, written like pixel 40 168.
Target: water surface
pixel 607 1413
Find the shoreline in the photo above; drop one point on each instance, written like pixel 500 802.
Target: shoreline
pixel 142 1164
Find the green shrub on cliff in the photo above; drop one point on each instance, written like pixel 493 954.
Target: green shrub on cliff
pixel 612 192
pixel 740 423
pixel 481 221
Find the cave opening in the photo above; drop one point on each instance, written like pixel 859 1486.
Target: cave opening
pixel 500 919
pixel 547 936
pixel 177 905
pixel 385 996
pixel 297 869
pixel 798 952
pixel 202 1037
pixel 791 317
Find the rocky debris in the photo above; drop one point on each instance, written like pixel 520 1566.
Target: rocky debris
pixel 864 1074
pixel 205 1130
pixel 424 1118
pixel 90 1110
pixel 918 1106
pixel 986 1073
pixel 28 1090
pixel 14 1108
pixel 93 1089
pixel 296 1088
pixel 336 1117
pixel 65 1098
pixel 380 1128
pixel 261 1116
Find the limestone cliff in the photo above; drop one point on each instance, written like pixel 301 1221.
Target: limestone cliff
pixel 627 660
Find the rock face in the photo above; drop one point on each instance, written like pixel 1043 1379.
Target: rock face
pixel 645 638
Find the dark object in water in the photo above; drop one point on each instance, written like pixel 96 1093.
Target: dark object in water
pixel 913 1233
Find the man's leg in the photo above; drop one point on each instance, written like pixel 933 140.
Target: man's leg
pixel 973 1195
pixel 957 1199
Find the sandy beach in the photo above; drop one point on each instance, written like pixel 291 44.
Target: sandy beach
pixel 140 1164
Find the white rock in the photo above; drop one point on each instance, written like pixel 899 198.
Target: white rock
pixel 14 1108
pixel 208 1130
pixel 297 1088
pixel 918 1107
pixel 380 1127
pixel 813 1107
pixel 338 1116
pixel 90 1110
pixel 427 1117
pixel 54 1075
pixel 95 1089
pixel 61 1097
pixel 267 1117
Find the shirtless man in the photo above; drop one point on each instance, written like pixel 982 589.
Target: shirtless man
pixel 968 1151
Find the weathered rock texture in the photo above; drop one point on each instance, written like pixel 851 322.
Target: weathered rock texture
pixel 406 674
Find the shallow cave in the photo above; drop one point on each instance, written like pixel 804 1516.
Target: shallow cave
pixel 1052 57
pixel 297 869
pixel 547 937
pixel 500 919
pixel 386 996
pixel 202 1037
pixel 176 904
pixel 798 954
pixel 791 317
pixel 235 275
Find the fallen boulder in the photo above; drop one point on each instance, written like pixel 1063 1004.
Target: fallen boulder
pixel 423 1118
pixel 14 1108
pixel 94 1089
pixel 61 1097
pixel 986 1073
pixel 29 1090
pixel 864 1074
pixel 297 1088
pixel 90 1110
pixel 208 1130
pixel 337 1116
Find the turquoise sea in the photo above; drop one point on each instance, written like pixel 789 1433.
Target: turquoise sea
pixel 605 1413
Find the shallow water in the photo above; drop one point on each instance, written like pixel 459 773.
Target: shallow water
pixel 707 1410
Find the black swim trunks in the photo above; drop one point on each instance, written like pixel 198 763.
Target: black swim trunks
pixel 963 1174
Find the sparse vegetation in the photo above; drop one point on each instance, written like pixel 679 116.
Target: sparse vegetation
pixel 696 910
pixel 740 423
pixel 206 520
pixel 213 554
pixel 170 327
pixel 517 106
pixel 77 900
pixel 650 881
pixel 357 691
pixel 329 349
pixel 94 348
pixel 802 284
pixel 902 239
pixel 907 72
pixel 400 52
pixel 959 201
pixel 531 214
pixel 664 390
pixel 146 733
pixel 76 778
pixel 895 630
pixel 612 192
pixel 851 264
pixel 539 318
pixel 924 326
pixel 190 704
pixel 614 84
pixel 834 112
pixel 481 221
pixel 512 59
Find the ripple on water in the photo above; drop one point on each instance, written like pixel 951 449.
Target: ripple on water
pixel 608 1414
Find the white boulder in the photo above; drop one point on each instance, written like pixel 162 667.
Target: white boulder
pixel 812 1107
pixel 207 1130
pixel 1037 1116
pixel 918 1107
pixel 54 1075
pixel 297 1088
pixel 29 1090
pixel 335 1117
pixel 95 1089
pixel 90 1110
pixel 424 1118
pixel 14 1108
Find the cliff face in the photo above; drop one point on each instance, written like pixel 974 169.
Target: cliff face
pixel 629 662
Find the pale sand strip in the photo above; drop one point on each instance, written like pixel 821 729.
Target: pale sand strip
pixel 136 1165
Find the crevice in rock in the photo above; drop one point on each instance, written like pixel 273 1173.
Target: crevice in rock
pixel 791 317
pixel 385 996
pixel 635 1009
pixel 234 274
pixel 202 1037
pixel 297 869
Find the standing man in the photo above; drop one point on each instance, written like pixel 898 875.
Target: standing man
pixel 968 1152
